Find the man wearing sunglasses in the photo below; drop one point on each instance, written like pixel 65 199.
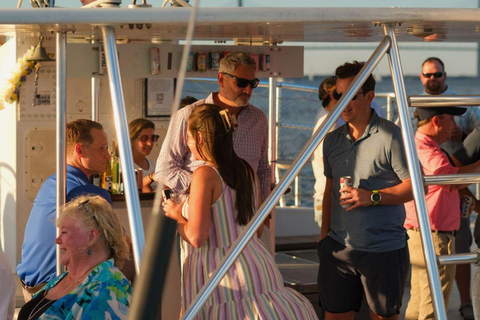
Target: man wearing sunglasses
pixel 363 245
pixel 87 154
pixel 434 78
pixel 237 80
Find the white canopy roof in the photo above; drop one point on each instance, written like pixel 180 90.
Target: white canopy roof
pixel 274 25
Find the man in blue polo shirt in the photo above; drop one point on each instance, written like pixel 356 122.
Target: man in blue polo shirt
pixel 87 154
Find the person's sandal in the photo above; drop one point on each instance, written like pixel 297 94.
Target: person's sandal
pixel 466 311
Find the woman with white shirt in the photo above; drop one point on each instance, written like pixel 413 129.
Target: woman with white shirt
pixel 142 139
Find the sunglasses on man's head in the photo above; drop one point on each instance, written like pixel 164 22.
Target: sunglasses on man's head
pixel 337 95
pixel 145 138
pixel 242 83
pixel 435 74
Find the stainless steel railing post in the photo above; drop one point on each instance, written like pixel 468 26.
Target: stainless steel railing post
pixel 277 137
pixel 61 126
pixel 95 98
pixel 476 291
pixel 121 128
pixel 415 174
pixel 297 165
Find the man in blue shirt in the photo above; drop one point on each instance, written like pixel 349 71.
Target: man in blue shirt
pixel 87 154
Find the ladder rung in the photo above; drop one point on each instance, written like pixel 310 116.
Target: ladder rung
pixel 460 258
pixel 459 178
pixel 444 101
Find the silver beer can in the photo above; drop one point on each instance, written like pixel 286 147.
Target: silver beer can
pixel 345 181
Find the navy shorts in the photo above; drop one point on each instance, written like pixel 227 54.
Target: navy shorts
pixel 345 275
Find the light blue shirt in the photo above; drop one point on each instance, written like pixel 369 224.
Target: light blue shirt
pixel 38 263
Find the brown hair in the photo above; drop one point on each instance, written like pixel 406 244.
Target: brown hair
pixel 186 101
pixel 349 70
pixel 104 219
pixel 232 60
pixel 79 131
pixel 136 126
pixel 218 148
pixel 327 86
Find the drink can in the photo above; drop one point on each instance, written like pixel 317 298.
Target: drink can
pixel 139 176
pixel 465 206
pixel 345 181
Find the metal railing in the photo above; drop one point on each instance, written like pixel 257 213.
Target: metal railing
pixel 303 185
pixel 388 45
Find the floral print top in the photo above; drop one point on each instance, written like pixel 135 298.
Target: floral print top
pixel 104 294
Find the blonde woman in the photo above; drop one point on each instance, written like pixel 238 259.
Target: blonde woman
pixel 92 244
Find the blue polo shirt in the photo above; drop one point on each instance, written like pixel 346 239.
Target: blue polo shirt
pixel 38 263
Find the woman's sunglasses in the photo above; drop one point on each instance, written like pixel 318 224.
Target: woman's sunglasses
pixel 242 83
pixel 145 138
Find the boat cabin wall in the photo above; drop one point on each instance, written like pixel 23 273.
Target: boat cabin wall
pixel 29 124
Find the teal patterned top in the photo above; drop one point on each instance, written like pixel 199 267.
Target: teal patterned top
pixel 104 294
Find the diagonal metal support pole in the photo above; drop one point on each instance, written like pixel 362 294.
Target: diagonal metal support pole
pixel 121 128
pixel 291 173
pixel 146 303
pixel 415 174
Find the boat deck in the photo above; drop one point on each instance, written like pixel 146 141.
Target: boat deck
pixel 299 269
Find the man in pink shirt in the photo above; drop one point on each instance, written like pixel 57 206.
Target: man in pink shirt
pixel 435 126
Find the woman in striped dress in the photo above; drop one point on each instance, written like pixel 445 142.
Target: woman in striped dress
pixel 223 198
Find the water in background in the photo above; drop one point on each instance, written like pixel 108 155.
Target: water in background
pixel 300 108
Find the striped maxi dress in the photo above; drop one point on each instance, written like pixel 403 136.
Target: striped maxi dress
pixel 253 288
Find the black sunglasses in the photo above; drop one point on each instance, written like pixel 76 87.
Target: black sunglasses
pixel 242 83
pixel 435 74
pixel 145 138
pixel 337 95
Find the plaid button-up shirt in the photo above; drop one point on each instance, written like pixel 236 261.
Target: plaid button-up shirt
pixel 176 163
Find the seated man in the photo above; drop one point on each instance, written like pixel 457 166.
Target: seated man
pixel 87 154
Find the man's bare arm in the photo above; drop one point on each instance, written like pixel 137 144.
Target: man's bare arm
pixel 395 195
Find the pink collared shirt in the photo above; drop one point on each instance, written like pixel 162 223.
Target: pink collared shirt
pixel 443 204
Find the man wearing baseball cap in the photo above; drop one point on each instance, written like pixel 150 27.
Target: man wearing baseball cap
pixel 435 126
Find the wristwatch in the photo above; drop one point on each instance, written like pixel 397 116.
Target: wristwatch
pixel 376 197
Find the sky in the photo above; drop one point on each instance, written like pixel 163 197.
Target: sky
pixel 462 58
